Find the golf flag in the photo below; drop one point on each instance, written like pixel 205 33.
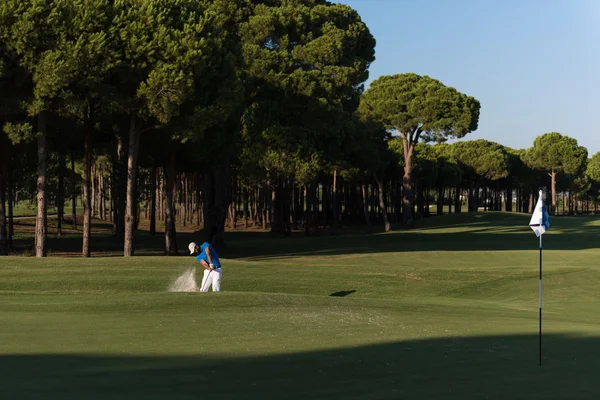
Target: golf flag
pixel 540 220
pixel 540 223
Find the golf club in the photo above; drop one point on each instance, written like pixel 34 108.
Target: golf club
pixel 207 276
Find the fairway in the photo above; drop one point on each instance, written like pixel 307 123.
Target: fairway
pixel 445 311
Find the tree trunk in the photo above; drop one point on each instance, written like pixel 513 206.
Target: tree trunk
pixel 186 205
pixel 255 208
pixel 386 221
pixel 279 207
pixel 102 194
pixel 457 200
pixel 163 202
pixel 186 198
pixel 121 186
pixel 60 200
pixel 114 206
pixel 153 200
pixel 279 224
pixel 353 197
pixel 372 201
pixel 182 196
pixel 87 177
pixel 234 204
pixel 130 208
pixel 485 198
pixel 509 200
pixel 365 208
pixel 531 203
pixel 407 192
pixel 3 187
pixel 307 211
pixel 217 198
pixel 170 232
pixel 334 195
pixel 470 199
pixel 198 200
pixel 246 200
pixel 11 199
pixel 263 207
pixel 324 205
pixel 498 193
pixel 420 201
pixel 553 185
pixel 284 211
pixel 109 193
pixel 398 202
pixel 147 197
pixel 315 206
pixel 96 173
pixel 192 198
pixel 230 212
pixel 136 202
pixel 297 215
pixel 73 195
pixel 571 208
pixel 41 221
pixel 440 201
pixel 159 194
pixel 92 199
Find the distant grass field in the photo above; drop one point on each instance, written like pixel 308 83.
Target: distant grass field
pixel 445 311
pixel 27 209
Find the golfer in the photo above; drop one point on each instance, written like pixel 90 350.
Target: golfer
pixel 207 256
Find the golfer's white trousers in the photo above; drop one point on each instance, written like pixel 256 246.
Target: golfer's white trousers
pixel 211 278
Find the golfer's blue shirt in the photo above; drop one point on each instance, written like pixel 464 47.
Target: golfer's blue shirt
pixel 213 254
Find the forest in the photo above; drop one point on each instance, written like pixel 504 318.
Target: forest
pixel 243 114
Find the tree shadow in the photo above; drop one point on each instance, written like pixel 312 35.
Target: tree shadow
pixel 461 232
pixel 490 367
pixel 105 245
pixel 492 231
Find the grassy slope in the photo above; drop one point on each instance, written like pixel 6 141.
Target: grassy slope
pixel 446 311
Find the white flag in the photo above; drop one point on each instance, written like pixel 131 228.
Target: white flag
pixel 540 220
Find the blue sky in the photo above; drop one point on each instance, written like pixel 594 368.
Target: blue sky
pixel 533 64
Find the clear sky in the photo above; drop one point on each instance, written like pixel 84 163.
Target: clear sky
pixel 533 64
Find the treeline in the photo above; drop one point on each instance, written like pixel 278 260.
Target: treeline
pixel 245 112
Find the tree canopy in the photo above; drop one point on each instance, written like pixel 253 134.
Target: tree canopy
pixel 418 107
pixel 554 154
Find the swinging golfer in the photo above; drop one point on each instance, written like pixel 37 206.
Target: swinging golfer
pixel 207 256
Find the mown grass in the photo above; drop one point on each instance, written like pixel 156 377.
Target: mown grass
pixel 445 311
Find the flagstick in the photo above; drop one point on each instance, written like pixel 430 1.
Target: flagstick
pixel 540 350
pixel 540 223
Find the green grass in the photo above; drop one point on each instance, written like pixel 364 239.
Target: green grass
pixel 26 209
pixel 445 311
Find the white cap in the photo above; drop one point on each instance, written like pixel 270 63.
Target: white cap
pixel 192 247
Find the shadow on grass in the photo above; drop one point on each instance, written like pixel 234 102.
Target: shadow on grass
pixel 502 367
pixel 342 293
pixel 456 232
